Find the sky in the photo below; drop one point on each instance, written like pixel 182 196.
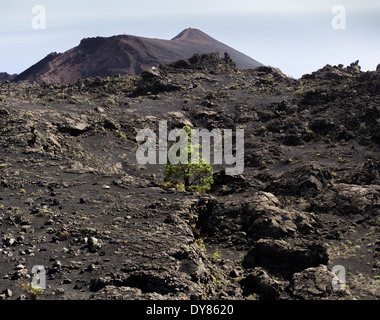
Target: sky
pixel 297 36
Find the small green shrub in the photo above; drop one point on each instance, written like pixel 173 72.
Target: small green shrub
pixel 195 177
pixel 32 291
pixel 122 135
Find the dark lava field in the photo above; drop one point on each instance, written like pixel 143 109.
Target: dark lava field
pixel 74 200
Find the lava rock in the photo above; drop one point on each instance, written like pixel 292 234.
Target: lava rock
pixel 316 284
pixel 289 256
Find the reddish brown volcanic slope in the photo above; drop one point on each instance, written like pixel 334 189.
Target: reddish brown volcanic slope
pixel 126 54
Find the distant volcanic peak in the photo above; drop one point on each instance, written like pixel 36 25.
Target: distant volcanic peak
pixel 191 34
pixel 127 54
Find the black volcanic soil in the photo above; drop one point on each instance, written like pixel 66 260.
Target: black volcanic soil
pixel 74 200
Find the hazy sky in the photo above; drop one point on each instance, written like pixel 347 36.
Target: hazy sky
pixel 296 36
